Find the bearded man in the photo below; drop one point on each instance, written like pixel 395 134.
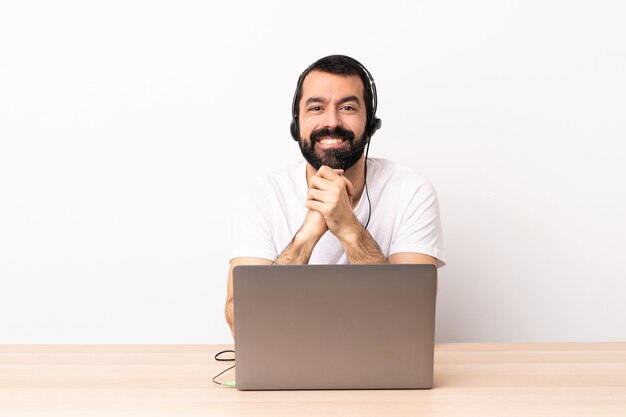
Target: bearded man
pixel 336 206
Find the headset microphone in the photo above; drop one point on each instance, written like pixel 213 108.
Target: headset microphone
pixel 345 154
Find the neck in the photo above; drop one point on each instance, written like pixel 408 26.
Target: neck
pixel 355 174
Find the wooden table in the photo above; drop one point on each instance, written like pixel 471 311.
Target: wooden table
pixel 571 380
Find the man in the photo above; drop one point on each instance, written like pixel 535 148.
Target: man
pixel 319 211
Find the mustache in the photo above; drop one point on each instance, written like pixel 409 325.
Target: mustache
pixel 336 132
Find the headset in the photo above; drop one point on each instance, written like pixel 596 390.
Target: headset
pixel 373 123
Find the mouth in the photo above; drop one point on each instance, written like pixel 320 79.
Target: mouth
pixel 331 142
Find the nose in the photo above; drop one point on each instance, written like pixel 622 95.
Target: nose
pixel 332 119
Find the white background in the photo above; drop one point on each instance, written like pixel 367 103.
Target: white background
pixel 127 129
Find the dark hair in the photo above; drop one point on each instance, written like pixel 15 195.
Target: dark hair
pixel 340 65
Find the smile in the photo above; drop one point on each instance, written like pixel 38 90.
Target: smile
pixel 328 141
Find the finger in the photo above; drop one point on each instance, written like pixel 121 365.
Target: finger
pixel 349 187
pixel 317 195
pixel 332 188
pixel 326 181
pixel 314 205
pixel 327 173
pixel 319 183
pixel 328 185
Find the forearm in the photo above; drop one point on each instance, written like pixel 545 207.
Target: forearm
pixel 298 252
pixel 361 248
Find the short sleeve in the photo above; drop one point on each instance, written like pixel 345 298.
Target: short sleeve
pixel 419 229
pixel 251 230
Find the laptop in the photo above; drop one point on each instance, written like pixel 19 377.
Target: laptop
pixel 310 327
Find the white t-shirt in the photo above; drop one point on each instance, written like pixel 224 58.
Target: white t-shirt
pixel 404 217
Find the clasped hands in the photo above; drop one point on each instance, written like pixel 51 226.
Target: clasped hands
pixel 329 202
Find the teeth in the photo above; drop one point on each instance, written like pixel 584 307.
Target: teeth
pixel 331 140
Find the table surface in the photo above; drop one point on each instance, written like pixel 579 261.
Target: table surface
pixel 555 379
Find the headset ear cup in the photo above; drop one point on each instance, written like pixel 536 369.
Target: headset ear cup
pixel 375 125
pixel 294 130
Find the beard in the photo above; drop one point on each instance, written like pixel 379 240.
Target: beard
pixel 333 158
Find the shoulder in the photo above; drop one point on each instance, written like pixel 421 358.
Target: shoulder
pixel 284 181
pixel 287 174
pixel 392 174
pixel 277 182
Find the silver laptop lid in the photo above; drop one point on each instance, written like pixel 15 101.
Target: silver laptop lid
pixel 334 326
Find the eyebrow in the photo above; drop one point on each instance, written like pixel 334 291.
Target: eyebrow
pixel 346 99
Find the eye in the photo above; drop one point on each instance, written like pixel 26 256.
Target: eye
pixel 315 108
pixel 347 107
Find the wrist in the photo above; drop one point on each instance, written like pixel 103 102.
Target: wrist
pixel 349 234
pixel 298 251
pixel 306 237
